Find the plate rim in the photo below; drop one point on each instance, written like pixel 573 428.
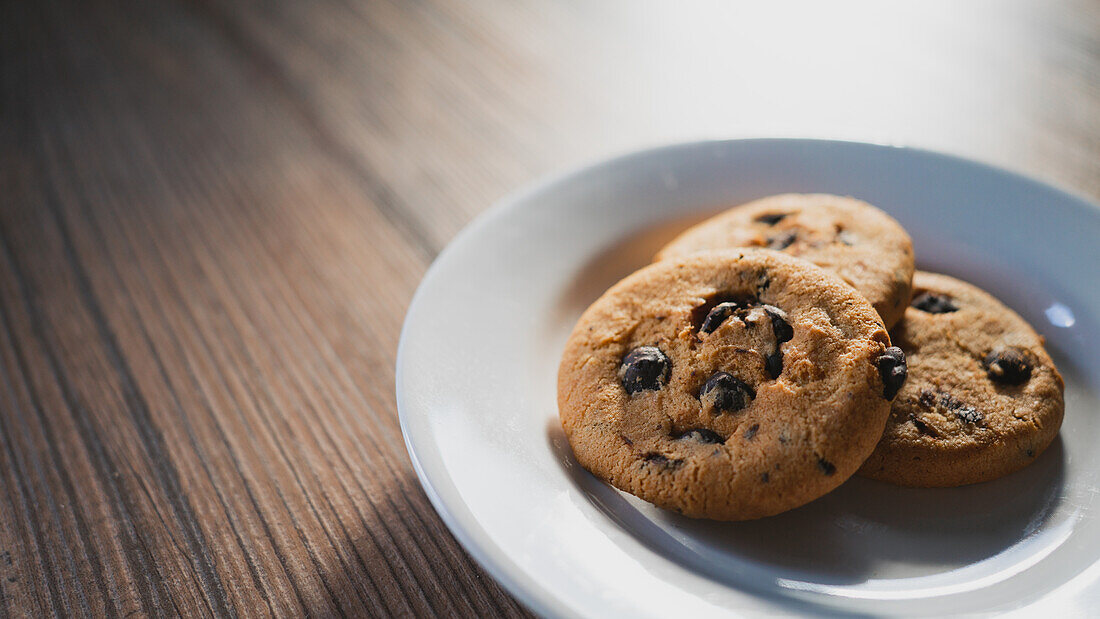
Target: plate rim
pixel 474 539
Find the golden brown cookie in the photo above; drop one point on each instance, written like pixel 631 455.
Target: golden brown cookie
pixel 730 384
pixel 855 240
pixel 983 397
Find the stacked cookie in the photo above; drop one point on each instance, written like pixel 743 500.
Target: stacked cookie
pixel 749 370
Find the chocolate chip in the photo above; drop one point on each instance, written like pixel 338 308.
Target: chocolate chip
pixel 645 369
pixel 751 432
pixel 718 315
pixel 702 435
pixel 928 398
pixel 1030 453
pixel 1009 366
pixel 783 332
pixel 892 369
pixel 934 303
pixel 661 461
pixel 771 218
pixel 708 316
pixel 826 467
pixel 773 363
pixel 782 328
pixel 765 478
pixel 967 414
pixel 723 393
pixel 783 240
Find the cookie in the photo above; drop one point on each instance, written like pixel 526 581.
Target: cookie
pixel 855 240
pixel 983 397
pixel 732 384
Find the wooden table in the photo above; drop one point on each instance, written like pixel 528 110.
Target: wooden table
pixel 213 215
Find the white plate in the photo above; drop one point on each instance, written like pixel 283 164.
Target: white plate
pixel 476 377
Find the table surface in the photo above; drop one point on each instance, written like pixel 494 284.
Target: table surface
pixel 213 215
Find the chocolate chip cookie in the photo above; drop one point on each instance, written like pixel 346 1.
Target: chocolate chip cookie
pixel 983 397
pixel 732 384
pixel 855 240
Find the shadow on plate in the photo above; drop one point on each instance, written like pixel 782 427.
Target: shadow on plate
pixel 861 531
pixel 616 262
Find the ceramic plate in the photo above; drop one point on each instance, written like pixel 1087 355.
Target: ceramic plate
pixel 476 381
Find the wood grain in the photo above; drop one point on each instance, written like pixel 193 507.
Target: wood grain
pixel 213 215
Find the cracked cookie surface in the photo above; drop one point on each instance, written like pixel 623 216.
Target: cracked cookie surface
pixel 863 245
pixel 983 397
pixel 730 385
